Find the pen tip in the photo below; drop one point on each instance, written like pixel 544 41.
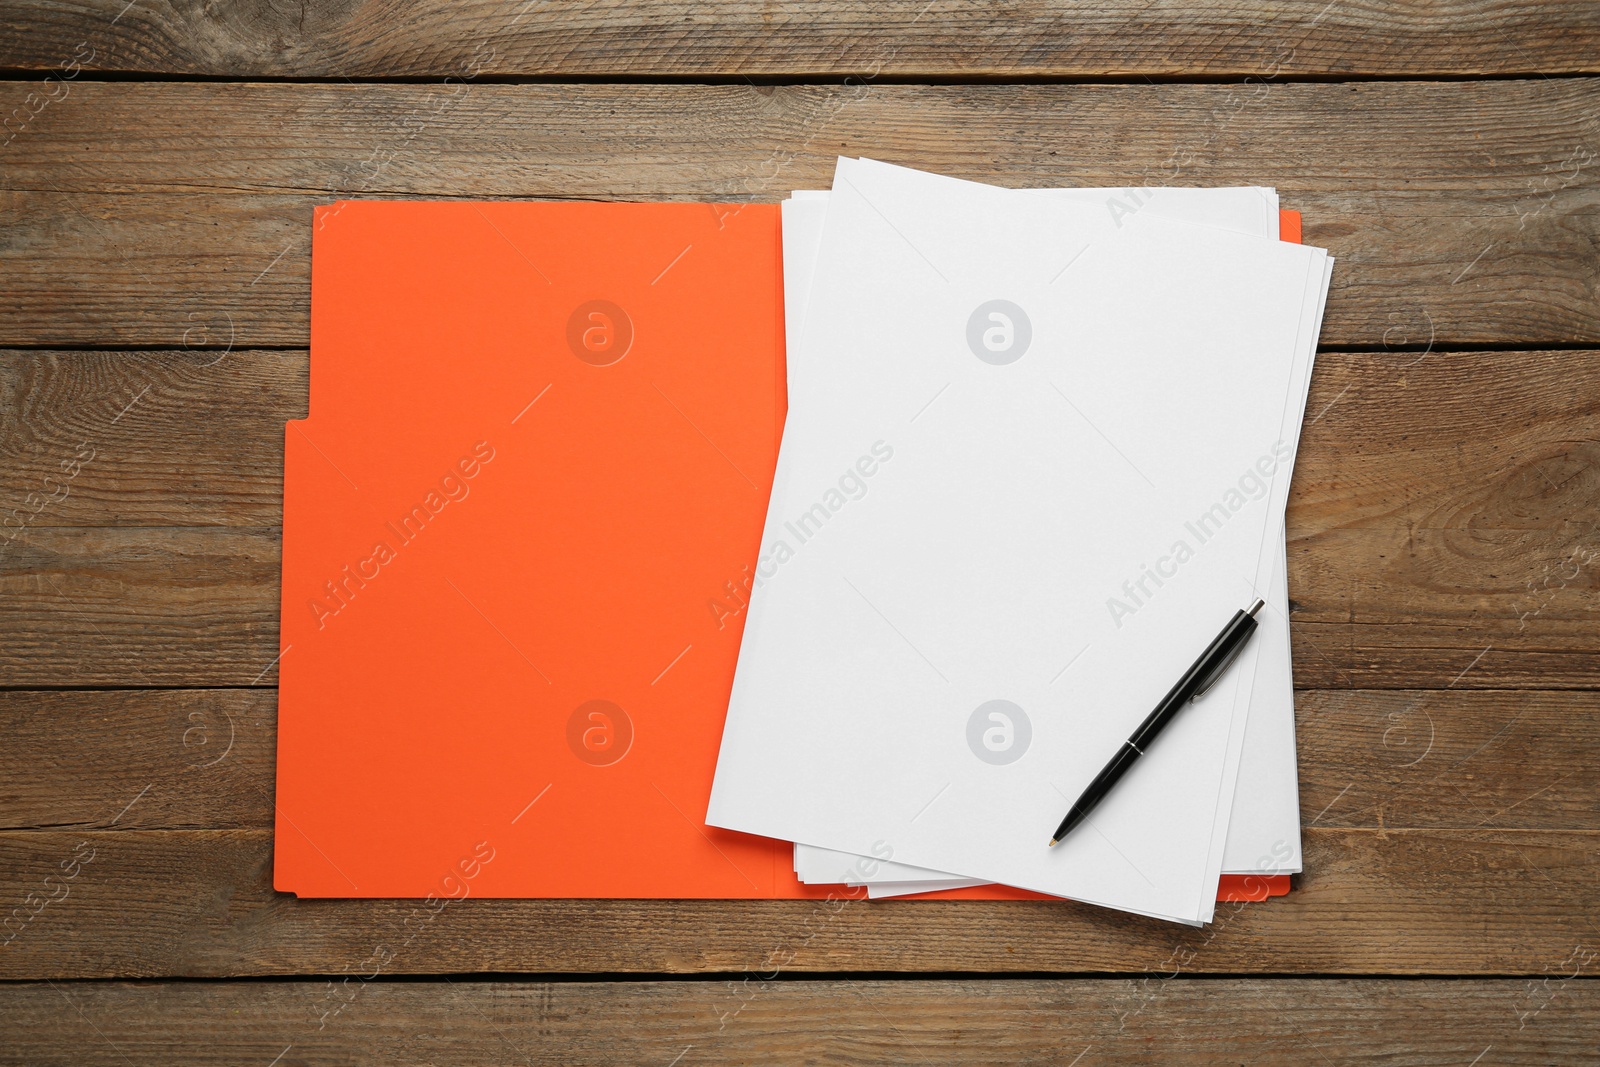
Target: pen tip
pixel 1257 606
pixel 1053 842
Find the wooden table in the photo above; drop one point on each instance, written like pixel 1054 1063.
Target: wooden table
pixel 159 169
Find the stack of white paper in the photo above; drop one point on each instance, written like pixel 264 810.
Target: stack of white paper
pixel 1038 452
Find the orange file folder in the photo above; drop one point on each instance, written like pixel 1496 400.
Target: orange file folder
pixel 516 530
pixel 519 526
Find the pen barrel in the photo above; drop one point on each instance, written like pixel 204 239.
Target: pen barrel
pixel 1109 775
pixel 1238 630
pixel 1096 790
pixel 1212 662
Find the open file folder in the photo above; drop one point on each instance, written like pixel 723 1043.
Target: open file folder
pixel 540 443
pixel 516 527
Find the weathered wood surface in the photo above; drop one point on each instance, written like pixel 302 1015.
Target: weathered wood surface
pixel 139 759
pixel 892 38
pixel 200 903
pixel 128 439
pixel 1462 213
pixel 1155 1019
pixel 1444 528
pixel 203 759
pixel 139 606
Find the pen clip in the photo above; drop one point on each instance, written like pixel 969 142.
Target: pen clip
pixel 1217 672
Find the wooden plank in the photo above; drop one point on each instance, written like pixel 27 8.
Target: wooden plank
pixel 184 438
pixel 1462 441
pixel 1462 213
pixel 753 1019
pixel 1447 759
pixel 203 759
pixel 1373 608
pixel 149 903
pixel 126 759
pixel 1480 609
pixel 891 38
pixel 149 606
pixel 1428 441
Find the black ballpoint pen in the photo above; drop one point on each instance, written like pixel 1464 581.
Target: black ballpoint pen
pixel 1195 681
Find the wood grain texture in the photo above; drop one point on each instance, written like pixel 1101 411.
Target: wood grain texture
pixel 1462 213
pixel 153 606
pixel 1461 441
pixel 893 38
pixel 1444 528
pixel 200 903
pixel 165 758
pixel 354 1020
pixel 173 438
pixel 203 759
